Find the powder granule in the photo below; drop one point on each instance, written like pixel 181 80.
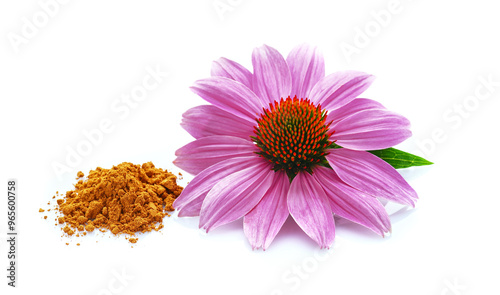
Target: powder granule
pixel 126 199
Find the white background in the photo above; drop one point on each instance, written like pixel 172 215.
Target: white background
pixel 66 76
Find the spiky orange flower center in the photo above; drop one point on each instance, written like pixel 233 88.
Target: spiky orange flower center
pixel 293 135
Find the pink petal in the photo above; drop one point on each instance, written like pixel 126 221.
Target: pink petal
pixel 338 89
pixel 236 194
pixel 271 78
pixel 311 209
pixel 224 67
pixel 353 204
pixel 190 201
pixel 230 96
pixel 208 120
pixel 370 174
pixel 204 152
pixel 371 129
pixel 307 67
pixel 357 105
pixel 264 222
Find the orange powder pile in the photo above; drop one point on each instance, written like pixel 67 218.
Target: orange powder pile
pixel 125 199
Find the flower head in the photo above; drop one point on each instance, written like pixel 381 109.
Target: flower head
pixel 286 139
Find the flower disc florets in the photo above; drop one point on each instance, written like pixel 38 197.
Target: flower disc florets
pixel 293 135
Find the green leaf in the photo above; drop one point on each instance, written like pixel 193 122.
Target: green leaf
pixel 399 159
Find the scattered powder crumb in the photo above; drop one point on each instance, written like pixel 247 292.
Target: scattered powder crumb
pixel 89 227
pixel 45 217
pixel 79 174
pixel 78 244
pixel 68 230
pixel 41 210
pixel 133 240
pixel 67 244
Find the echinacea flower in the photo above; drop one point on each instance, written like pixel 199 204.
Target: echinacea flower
pixel 286 139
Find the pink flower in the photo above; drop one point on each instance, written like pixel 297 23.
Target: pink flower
pixel 264 148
